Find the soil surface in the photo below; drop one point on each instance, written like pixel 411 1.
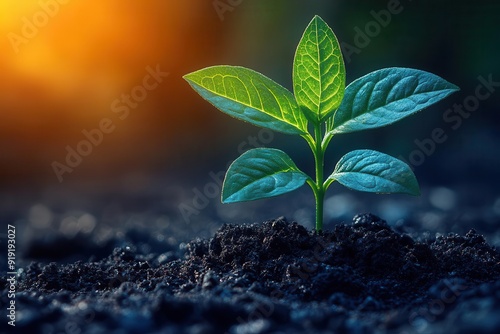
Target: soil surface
pixel 270 277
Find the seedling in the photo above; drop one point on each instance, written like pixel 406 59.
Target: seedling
pixel 320 108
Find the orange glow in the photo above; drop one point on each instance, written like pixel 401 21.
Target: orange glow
pixel 87 50
pixel 64 62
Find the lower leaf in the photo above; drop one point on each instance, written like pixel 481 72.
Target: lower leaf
pixel 372 171
pixel 261 173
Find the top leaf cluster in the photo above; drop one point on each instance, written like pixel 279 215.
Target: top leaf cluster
pixel 320 107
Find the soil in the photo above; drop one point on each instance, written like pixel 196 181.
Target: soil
pixel 270 277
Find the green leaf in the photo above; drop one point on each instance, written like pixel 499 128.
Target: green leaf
pixel 386 96
pixel 249 96
pixel 372 171
pixel 261 173
pixel 318 71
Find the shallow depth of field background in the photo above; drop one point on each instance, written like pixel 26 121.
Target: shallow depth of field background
pixel 65 76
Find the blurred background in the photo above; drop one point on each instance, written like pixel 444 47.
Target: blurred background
pixel 71 67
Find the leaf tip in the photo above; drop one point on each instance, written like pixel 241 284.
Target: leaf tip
pixel 187 77
pixel 228 195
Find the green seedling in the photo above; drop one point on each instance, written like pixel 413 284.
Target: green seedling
pixel 319 108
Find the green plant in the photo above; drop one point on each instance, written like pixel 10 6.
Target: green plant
pixel 320 107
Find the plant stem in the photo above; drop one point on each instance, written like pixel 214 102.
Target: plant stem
pixel 319 189
pixel 318 148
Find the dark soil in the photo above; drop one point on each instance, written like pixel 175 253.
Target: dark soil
pixel 274 277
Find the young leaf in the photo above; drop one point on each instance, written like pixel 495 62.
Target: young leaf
pixel 249 96
pixel 261 173
pixel 372 171
pixel 386 96
pixel 318 71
